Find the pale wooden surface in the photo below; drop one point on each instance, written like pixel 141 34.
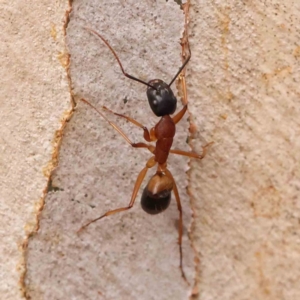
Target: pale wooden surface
pixel 130 255
pixel 244 88
pixel 34 96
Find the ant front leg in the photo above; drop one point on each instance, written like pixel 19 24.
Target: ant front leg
pixel 151 163
pixel 180 114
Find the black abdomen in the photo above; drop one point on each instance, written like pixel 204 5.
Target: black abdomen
pixel 155 204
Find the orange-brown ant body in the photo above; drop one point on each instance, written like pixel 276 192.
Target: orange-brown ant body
pixel 156 196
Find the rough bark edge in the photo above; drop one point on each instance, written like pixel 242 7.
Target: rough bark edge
pixel 194 293
pixel 181 86
pixel 48 170
pixel 192 129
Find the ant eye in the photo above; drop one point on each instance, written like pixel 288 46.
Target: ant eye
pixel 154 102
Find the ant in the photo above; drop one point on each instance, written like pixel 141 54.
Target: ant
pixel 156 196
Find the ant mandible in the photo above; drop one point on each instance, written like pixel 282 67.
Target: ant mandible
pixel 156 196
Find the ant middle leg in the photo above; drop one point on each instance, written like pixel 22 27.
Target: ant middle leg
pixel 148 136
pixel 192 154
pixel 151 163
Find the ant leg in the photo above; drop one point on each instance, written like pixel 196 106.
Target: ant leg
pixel 180 114
pixel 180 228
pixel 148 136
pixel 118 129
pixel 151 162
pixel 143 145
pixel 192 154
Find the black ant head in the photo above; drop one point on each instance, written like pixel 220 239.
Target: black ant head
pixel 161 98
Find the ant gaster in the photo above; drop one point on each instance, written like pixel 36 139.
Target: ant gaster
pixel 156 196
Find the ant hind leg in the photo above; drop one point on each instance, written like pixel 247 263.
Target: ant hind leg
pixel 151 162
pixel 180 227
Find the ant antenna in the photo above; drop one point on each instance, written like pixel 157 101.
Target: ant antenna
pixel 182 67
pixel 118 60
